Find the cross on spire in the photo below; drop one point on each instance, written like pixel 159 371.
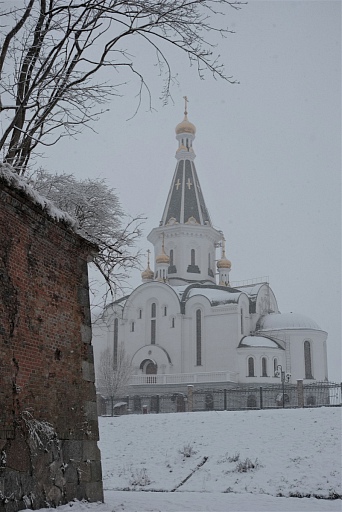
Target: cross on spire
pixel 186 105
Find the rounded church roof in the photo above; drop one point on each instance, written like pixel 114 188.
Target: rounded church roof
pixel 185 126
pixel 258 341
pixel 277 321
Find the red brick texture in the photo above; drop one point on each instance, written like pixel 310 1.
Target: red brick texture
pixel 46 361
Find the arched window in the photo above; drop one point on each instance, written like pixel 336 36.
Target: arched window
pixel 172 322
pixel 307 360
pixel 264 367
pixel 198 337
pixel 153 323
pixel 192 259
pixel 241 320
pixel 115 347
pixel 209 260
pixel 275 365
pixel 132 326
pixel 171 257
pixel 250 367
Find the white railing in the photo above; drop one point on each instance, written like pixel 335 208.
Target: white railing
pixel 183 378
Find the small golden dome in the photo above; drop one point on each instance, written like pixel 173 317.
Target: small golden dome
pixel 224 263
pixel 162 258
pixel 185 126
pixel 147 274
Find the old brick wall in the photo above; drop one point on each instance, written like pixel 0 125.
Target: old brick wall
pixel 46 361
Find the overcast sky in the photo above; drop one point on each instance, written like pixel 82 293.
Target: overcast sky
pixel 268 152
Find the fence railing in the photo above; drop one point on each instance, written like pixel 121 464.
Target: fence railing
pixel 183 378
pixel 196 399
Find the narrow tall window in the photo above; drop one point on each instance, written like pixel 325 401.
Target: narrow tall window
pixel 165 311
pixel 241 320
pixel 115 347
pixel 209 261
pixel 153 323
pixel 153 332
pixel 275 365
pixel 250 367
pixel 264 367
pixel 307 360
pixel 140 314
pixel 132 326
pixel 171 257
pixel 193 261
pixel 198 337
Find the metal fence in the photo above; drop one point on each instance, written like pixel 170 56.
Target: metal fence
pixel 230 399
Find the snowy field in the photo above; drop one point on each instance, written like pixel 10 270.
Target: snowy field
pixel 221 461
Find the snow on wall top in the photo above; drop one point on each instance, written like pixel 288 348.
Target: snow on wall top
pixel 13 180
pixel 275 321
pixel 258 341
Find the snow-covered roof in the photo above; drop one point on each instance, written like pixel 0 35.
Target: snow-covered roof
pixel 13 180
pixel 258 341
pixel 277 321
pixel 216 296
pixel 251 290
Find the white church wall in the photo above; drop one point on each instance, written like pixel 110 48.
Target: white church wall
pixel 257 353
pixel 318 354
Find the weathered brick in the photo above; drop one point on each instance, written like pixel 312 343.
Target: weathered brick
pixel 46 359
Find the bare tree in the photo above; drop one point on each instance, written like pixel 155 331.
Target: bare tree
pixel 52 51
pixel 113 375
pixel 100 218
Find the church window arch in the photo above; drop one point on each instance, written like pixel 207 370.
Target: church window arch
pixel 193 257
pixel 250 367
pixel 171 257
pixel 308 359
pixel 263 367
pixel 198 337
pixel 241 320
pixel 115 341
pixel 140 314
pixel 173 322
pixel 132 326
pixel 165 310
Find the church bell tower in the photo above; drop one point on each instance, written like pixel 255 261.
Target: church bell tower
pixel 185 233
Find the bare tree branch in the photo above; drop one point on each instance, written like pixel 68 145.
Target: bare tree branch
pixel 53 50
pixel 100 218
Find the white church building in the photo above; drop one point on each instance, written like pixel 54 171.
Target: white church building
pixel 185 324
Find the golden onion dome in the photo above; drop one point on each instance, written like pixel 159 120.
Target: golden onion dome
pixel 224 263
pixel 162 258
pixel 185 126
pixel 147 273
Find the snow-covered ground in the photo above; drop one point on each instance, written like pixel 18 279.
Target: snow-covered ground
pixel 221 461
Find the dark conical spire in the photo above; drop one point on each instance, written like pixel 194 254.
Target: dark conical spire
pixel 185 202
